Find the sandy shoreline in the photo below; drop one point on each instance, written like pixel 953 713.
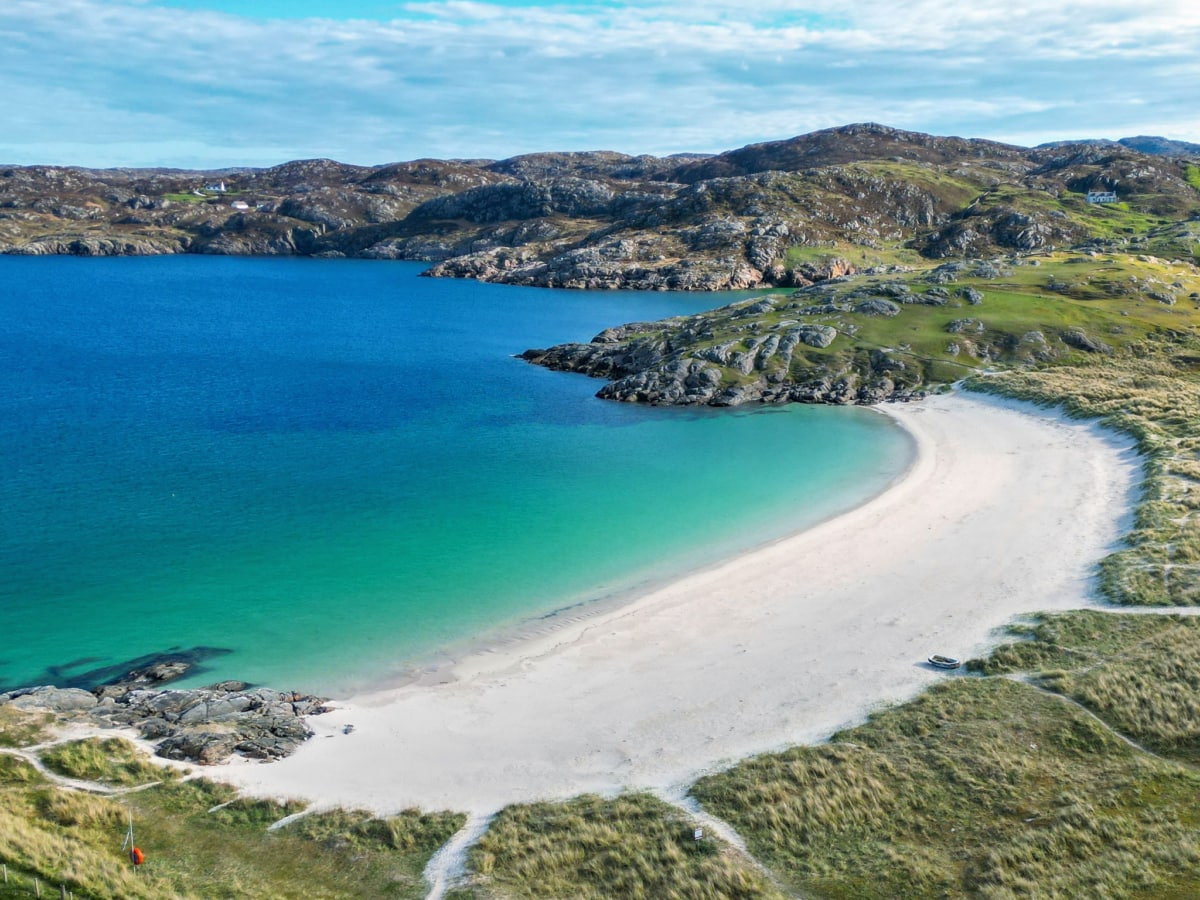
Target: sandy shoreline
pixel 1005 510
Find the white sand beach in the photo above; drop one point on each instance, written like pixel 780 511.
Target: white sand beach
pixel 1006 510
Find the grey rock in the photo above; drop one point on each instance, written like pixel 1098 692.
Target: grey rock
pixel 50 698
pixel 968 325
pixel 823 309
pixel 819 336
pixel 205 725
pixel 1082 341
pixel 878 307
pixel 204 747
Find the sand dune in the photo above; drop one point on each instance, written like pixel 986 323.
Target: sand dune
pixel 1006 509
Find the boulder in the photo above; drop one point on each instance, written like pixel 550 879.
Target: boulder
pixel 968 325
pixel 1083 341
pixel 878 307
pixel 50 698
pixel 819 336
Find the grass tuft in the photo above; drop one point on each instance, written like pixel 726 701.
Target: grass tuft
pixel 108 760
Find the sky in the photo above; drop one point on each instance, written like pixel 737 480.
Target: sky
pixel 212 83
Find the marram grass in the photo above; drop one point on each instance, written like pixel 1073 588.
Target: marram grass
pixel 631 846
pixel 980 787
pixel 1151 392
pixel 111 761
pixel 1140 674
pixel 200 839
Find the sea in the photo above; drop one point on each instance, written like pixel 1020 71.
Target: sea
pixel 325 475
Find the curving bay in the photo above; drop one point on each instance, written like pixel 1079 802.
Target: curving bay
pixel 337 470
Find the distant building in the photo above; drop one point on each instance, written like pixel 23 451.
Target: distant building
pixel 1102 197
pixel 218 188
pixel 240 204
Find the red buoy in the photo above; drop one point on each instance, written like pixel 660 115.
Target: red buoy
pixel 136 856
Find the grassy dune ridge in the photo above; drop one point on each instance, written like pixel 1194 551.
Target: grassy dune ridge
pixel 1152 392
pixel 200 838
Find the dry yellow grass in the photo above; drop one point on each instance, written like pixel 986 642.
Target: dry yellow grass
pixel 74 838
pixel 1151 391
pixel 632 846
pixel 985 788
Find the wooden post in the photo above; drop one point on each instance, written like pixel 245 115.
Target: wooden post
pixel 6 873
pixel 37 887
pixel 62 892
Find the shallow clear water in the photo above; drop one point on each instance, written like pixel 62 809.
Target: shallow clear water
pixel 334 468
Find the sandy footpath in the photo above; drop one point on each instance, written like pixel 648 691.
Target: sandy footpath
pixel 1005 510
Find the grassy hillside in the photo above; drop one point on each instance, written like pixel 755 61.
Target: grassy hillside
pixel 199 838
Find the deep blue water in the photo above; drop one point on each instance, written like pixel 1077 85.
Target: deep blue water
pixel 334 468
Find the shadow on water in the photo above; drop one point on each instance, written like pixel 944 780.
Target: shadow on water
pixel 74 674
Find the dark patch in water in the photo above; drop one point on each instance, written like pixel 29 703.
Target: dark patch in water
pixel 65 676
pixel 76 663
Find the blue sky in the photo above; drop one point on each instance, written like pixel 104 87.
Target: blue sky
pixel 205 83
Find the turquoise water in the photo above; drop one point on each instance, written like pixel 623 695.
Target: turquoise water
pixel 332 469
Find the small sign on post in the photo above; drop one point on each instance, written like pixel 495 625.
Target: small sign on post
pixel 698 834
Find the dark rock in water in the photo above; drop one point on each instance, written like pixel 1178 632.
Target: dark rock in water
pixel 142 671
pixel 229 686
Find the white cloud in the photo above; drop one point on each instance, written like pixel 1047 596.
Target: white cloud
pixel 113 82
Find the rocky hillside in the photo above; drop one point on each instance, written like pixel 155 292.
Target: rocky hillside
pixel 753 217
pixel 893 332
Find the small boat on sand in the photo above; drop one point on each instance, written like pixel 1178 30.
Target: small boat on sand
pixel 944 662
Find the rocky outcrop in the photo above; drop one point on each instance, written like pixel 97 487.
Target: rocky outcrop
pixel 1080 340
pixel 681 362
pixel 613 265
pixel 878 306
pixel 96 246
pixel 203 725
pixel 980 231
pixel 572 197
